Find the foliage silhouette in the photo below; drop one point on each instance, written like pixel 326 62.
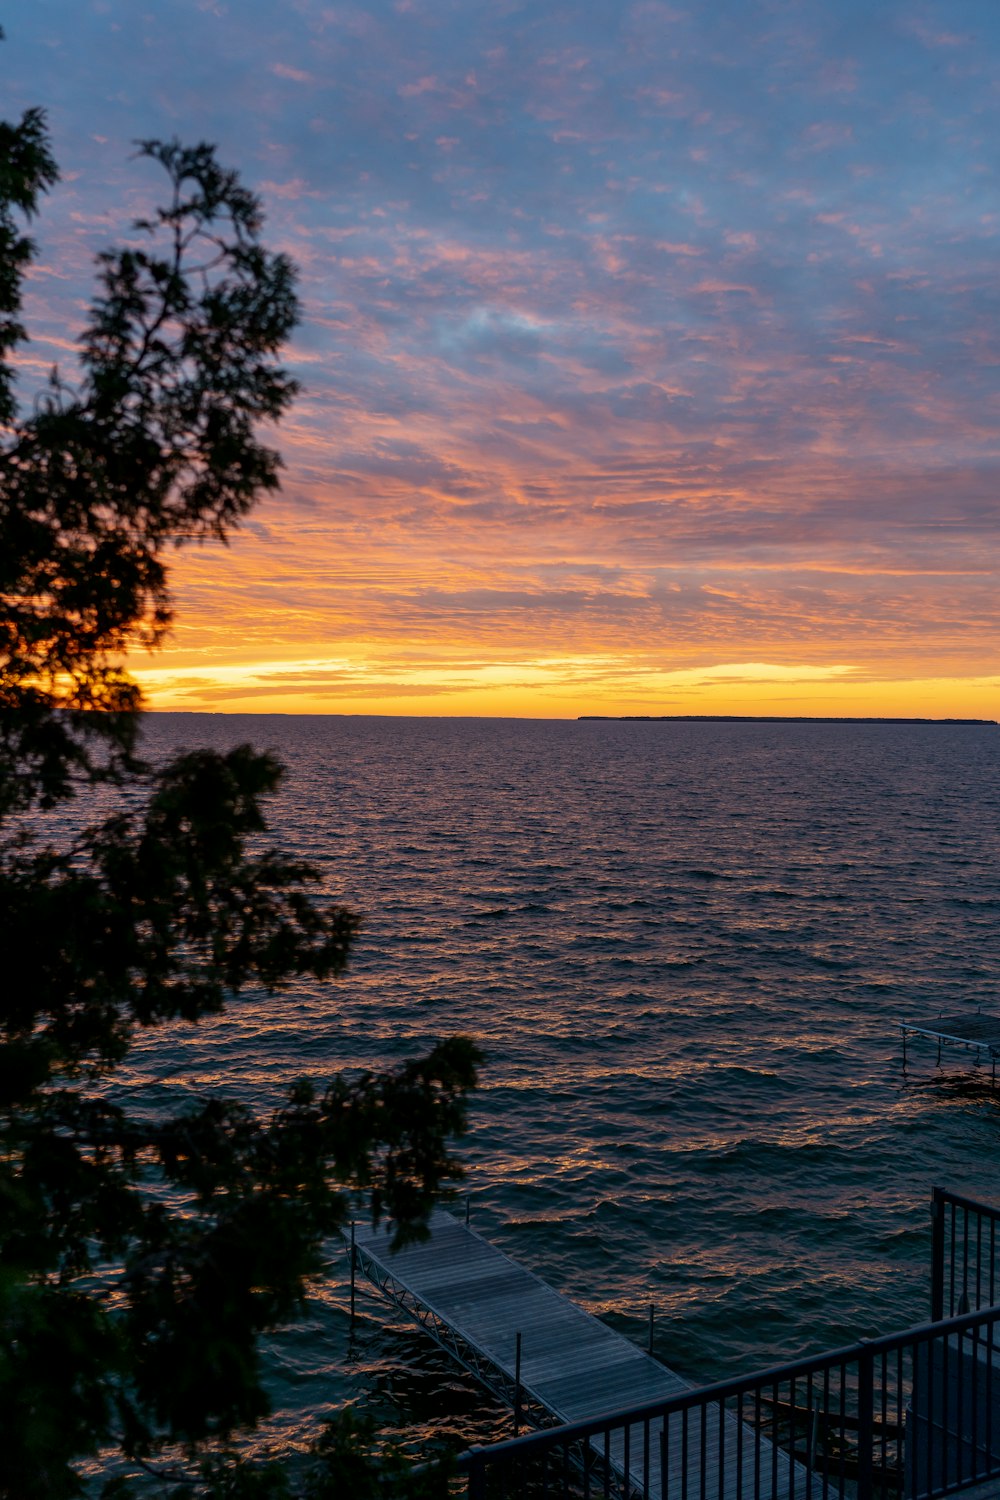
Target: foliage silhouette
pixel 126 1322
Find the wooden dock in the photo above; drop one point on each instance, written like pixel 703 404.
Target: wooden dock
pixel 554 1363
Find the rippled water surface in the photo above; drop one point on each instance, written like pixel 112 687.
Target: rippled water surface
pixel 685 949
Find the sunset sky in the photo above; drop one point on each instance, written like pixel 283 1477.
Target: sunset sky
pixel 651 351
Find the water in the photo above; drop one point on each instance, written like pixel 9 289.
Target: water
pixel 684 948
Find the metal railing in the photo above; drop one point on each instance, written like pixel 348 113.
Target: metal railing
pixel 914 1414
pixel 965 1241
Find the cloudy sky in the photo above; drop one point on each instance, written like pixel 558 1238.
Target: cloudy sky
pixel 651 351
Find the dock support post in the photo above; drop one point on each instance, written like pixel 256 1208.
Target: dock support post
pixel 477 1476
pixel 352 1275
pixel 649 1341
pixel 813 1440
pixel 517 1384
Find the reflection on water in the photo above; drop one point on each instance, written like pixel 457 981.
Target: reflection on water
pixel 684 948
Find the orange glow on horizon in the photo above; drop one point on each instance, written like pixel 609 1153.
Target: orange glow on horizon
pixel 300 615
pixel 558 688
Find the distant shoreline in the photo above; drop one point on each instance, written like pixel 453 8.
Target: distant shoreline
pixel 239 713
pixel 765 719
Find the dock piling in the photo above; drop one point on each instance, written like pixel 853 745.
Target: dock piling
pixel 352 1275
pixel 517 1383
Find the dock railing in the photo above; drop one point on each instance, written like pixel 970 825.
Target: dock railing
pixel 913 1414
pixel 964 1246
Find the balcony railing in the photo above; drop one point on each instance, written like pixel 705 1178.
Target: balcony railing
pixel 913 1414
pixel 966 1239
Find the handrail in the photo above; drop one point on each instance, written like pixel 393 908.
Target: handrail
pixel 986 1210
pixel 721 1390
pixel 965 1252
pixel 858 1389
pixel 917 1409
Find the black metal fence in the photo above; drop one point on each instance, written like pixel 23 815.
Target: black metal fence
pixel 914 1415
pixel 966 1237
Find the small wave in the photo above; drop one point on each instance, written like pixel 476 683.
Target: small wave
pixel 765 1157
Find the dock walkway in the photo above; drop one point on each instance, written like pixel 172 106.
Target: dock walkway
pixel 475 1302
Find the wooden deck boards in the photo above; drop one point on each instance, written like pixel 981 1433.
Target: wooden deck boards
pixel 574 1366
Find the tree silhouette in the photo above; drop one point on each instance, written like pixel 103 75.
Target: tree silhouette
pixel 126 1322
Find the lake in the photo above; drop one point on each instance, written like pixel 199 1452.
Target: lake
pixel 685 948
